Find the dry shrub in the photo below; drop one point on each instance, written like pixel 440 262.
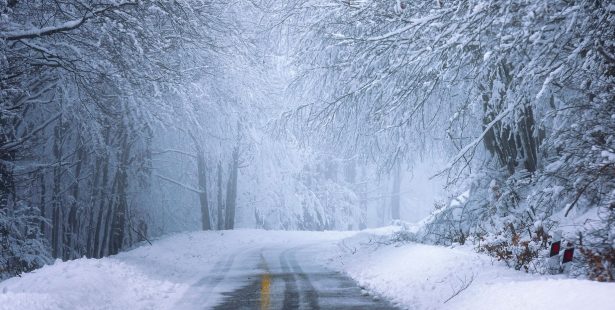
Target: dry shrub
pixel 516 251
pixel 600 263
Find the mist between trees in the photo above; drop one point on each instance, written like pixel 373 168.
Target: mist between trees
pixel 125 120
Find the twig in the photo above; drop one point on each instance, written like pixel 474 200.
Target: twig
pixel 464 285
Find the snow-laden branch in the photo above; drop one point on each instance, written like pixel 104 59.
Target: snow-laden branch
pixel 188 187
pixel 174 151
pixel 474 143
pixel 66 26
pixel 39 32
pixel 10 145
pixel 414 22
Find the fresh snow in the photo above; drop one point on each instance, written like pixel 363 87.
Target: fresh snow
pixel 418 276
pixel 413 276
pixel 149 277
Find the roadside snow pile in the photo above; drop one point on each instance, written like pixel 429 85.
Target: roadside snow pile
pixel 88 284
pixel 160 276
pixel 418 276
pixel 415 276
pixel 147 277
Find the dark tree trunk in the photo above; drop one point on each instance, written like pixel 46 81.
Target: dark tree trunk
pixel 6 189
pixel 395 202
pixel 202 175
pixel 97 249
pixel 363 199
pixel 104 247
pixel 7 185
pixel 231 190
pixel 89 233
pixel 72 227
pixel 205 217
pixel 43 204
pixel 220 200
pixel 57 240
pixel 118 225
pixel 511 145
pixel 98 233
pixel 70 232
pixel 92 244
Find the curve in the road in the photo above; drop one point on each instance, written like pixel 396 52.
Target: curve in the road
pixel 288 286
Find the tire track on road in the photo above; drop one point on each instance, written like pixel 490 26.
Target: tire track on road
pixel 224 266
pixel 310 292
pixel 291 294
pixel 201 291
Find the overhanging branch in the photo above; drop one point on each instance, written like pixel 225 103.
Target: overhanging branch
pixel 64 27
pixel 190 188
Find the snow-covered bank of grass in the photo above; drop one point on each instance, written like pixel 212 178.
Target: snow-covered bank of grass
pixel 418 276
pixel 414 276
pixel 148 277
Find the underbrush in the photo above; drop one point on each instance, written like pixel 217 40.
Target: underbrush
pixel 504 221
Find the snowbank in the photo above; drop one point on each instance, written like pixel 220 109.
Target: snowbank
pixel 148 277
pixel 414 276
pixel 417 276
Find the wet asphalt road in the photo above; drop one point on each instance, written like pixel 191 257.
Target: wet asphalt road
pixel 284 279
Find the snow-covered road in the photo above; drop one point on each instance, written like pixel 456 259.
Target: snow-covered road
pixel 280 277
pixel 241 269
pixel 255 269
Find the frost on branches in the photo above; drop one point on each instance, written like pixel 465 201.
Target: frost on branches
pixel 519 94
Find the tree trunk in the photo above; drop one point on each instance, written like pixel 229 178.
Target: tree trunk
pixel 72 227
pixel 511 144
pixel 395 203
pixel 104 247
pixel 7 185
pixel 205 217
pixel 57 241
pixel 92 243
pixel 231 190
pixel 118 225
pixel 220 202
pixel 43 204
pixel 98 233
pixel 363 199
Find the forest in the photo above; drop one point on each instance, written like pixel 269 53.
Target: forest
pixel 490 123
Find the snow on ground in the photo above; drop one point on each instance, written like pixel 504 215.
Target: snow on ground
pixel 418 276
pixel 148 277
pixel 413 276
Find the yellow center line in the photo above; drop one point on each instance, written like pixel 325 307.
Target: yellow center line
pixel 265 290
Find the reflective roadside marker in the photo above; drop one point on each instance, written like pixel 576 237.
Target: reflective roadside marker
pixel 556 243
pixel 568 253
pixel 555 247
pixel 554 259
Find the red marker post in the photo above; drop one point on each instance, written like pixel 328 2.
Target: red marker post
pixel 568 253
pixel 556 245
pixel 567 257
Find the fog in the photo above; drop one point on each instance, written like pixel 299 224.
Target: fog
pixel 123 121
